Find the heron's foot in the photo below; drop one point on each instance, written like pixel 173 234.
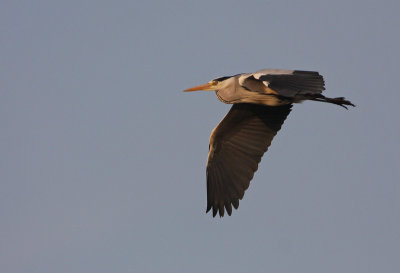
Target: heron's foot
pixel 341 101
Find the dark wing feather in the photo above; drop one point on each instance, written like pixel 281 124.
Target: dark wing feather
pixel 296 83
pixel 236 147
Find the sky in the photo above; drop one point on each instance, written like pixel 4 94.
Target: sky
pixel 103 157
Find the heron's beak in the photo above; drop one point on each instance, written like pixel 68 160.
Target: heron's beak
pixel 204 87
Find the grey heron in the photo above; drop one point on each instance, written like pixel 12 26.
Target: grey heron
pixel 261 102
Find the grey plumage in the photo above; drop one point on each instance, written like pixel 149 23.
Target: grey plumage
pixel 298 83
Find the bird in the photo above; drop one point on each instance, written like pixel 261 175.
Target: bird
pixel 261 102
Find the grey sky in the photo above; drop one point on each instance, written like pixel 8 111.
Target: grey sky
pixel 102 164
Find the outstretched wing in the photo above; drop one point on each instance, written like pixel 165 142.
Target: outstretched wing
pixel 236 147
pixel 286 83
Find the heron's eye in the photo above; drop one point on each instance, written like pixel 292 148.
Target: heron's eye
pixel 213 83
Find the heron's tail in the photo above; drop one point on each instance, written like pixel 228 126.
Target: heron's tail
pixel 341 101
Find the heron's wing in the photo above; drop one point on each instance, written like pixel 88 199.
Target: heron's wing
pixel 236 147
pixel 287 83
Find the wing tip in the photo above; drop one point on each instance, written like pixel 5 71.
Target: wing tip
pixel 220 208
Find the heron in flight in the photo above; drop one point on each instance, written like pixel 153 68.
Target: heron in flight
pixel 261 102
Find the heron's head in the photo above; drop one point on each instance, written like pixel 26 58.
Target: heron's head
pixel 213 85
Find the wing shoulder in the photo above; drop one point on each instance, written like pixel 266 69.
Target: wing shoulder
pixel 286 83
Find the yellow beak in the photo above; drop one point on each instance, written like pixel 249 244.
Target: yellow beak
pixel 204 87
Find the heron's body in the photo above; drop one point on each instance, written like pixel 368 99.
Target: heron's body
pixel 262 101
